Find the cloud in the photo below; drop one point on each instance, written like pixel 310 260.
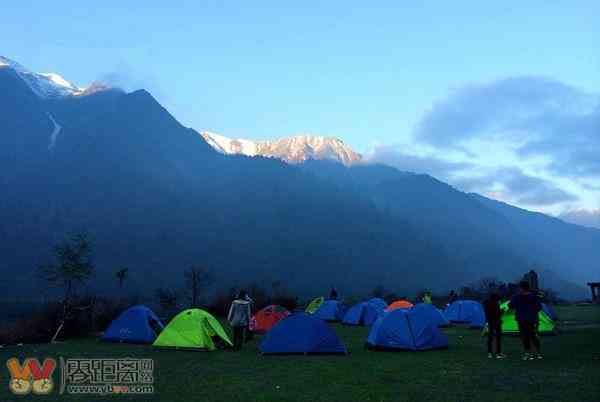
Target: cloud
pixel 127 79
pixel 512 184
pixel 530 141
pixel 536 116
pixel 506 109
pixel 583 217
pixel 574 147
pixel 394 155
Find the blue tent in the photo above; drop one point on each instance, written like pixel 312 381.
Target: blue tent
pixel 301 333
pixel 379 303
pixel 137 324
pixel 406 330
pixel 331 310
pixel 549 312
pixel 434 315
pixel 363 313
pixel 466 311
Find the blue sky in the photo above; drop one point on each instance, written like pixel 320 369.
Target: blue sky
pixel 399 82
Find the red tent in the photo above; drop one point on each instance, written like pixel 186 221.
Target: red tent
pixel 399 304
pixel 266 318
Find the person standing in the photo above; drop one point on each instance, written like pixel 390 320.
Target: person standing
pixel 527 307
pixel 452 297
pixel 493 317
pixel 426 297
pixel 239 318
pixel 249 333
pixel 333 294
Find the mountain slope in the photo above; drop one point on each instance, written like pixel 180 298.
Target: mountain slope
pixel 559 246
pixel 486 239
pixel 157 198
pixel 295 149
pixel 44 85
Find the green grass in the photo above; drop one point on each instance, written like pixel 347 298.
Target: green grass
pixel 578 314
pixel 570 371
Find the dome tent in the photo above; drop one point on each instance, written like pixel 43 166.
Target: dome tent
pixel 363 313
pixel 405 304
pixel 402 329
pixel 549 312
pixel 137 324
pixel 301 333
pixel 314 305
pixel 511 326
pixel 466 312
pixel 434 315
pixel 192 329
pixel 379 303
pixel 266 318
pixel 331 310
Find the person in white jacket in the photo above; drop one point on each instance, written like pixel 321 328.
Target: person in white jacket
pixel 239 318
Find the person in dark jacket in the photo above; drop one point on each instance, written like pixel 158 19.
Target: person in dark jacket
pixel 493 317
pixel 527 307
pixel 333 294
pixel 452 297
pixel 249 334
pixel 239 318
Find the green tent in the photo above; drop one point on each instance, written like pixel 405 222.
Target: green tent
pixel 510 326
pixel 193 328
pixel 314 305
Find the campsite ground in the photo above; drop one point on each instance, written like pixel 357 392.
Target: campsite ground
pixel 569 372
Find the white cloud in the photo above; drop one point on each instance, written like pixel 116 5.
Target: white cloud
pixel 531 141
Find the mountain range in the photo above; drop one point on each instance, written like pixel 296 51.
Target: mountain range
pixel 296 149
pixel 158 197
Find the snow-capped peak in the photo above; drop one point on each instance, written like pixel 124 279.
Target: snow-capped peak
pixel 58 80
pixel 294 149
pixel 44 85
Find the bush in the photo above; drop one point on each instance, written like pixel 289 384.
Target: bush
pixel 106 310
pixel 38 327
pixel 219 306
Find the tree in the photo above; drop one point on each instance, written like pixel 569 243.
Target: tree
pixel 378 291
pixel 73 265
pixel 121 275
pixel 487 285
pixel 196 279
pixel 167 298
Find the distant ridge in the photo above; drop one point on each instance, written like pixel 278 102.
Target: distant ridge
pixel 295 149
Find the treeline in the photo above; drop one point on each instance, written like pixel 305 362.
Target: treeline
pixel 78 314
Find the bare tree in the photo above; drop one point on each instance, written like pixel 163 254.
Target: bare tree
pixel 378 291
pixel 121 276
pixel 197 278
pixel 73 267
pixel 167 298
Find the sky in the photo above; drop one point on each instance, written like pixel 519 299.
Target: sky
pixel 499 99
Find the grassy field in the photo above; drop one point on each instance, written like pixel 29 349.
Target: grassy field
pixel 569 372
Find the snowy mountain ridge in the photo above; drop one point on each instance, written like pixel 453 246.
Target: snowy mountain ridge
pixel 44 85
pixel 295 149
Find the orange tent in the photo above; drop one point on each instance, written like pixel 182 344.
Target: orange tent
pixel 266 318
pixel 399 304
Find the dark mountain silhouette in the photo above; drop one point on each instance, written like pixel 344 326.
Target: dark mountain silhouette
pixel 485 235
pixel 157 198
pixel 565 248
